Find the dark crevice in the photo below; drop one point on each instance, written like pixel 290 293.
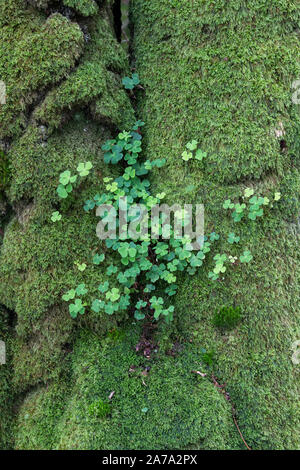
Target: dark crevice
pixel 116 9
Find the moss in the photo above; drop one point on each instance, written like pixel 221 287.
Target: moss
pixel 95 84
pixel 227 317
pixel 29 63
pixel 194 414
pixel 37 272
pixel 38 417
pixel 51 75
pixel 220 72
pixel 4 171
pixel 216 71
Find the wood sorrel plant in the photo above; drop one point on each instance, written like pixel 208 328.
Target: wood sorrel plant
pixel 149 266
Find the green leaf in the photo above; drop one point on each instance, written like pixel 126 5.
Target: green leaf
pixel 61 191
pixel 192 145
pixel 246 257
pixel 138 315
pixel 70 295
pixel 111 270
pixel 65 177
pixel 228 204
pixel 214 237
pixel 97 259
pixel 213 276
pixel 186 156
pixel 113 295
pixel 232 238
pixel 103 287
pixel 277 196
pixel 81 290
pixel 84 168
pixel 97 305
pixel 109 308
pixel 81 267
pixel 199 155
pixel 76 307
pixel 89 205
pixel 248 192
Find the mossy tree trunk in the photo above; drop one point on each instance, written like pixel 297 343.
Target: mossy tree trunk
pixel 221 72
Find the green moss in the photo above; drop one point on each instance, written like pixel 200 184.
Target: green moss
pixel 38 417
pixel 4 171
pixel 84 7
pixel 48 84
pixel 227 317
pixel 95 84
pixel 183 411
pixel 29 63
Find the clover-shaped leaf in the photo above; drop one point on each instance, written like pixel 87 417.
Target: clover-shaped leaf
pixel 84 168
pixel 137 125
pixel 149 288
pixel 255 213
pixel 171 290
pixel 186 156
pixel 113 294
pixel 141 304
pixel 220 259
pixel 89 205
pixel 232 238
pixel 213 276
pixel 62 191
pixel 248 192
pixel 192 145
pixel 103 287
pixel 109 308
pixel 219 268
pixel 124 135
pixel 277 196
pixel 246 257
pixel 97 305
pixel 139 315
pixel 130 83
pixel 80 266
pixel 200 155
pixel 70 295
pixel 111 270
pixel 214 237
pixel 64 177
pixel 81 290
pixel 97 259
pixel 228 204
pixel 239 208
pixel 76 307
